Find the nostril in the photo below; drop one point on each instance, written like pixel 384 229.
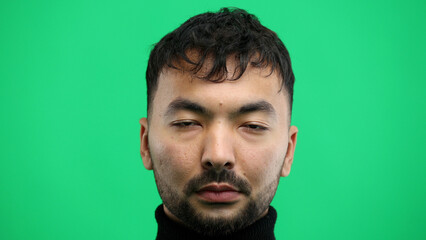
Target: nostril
pixel 212 164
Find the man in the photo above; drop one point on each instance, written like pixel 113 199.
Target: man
pixel 218 134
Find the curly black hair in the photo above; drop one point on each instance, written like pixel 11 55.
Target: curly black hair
pixel 230 32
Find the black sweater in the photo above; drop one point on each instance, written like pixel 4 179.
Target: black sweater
pixel 170 230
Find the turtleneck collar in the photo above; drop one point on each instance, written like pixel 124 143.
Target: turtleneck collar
pixel 171 230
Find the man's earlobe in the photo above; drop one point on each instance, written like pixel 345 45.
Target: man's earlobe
pixel 288 160
pixel 146 157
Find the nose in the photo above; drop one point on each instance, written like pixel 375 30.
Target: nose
pixel 218 152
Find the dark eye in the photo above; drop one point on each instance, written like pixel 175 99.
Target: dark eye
pixel 255 127
pixel 185 124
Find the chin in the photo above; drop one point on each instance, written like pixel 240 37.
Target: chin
pixel 219 211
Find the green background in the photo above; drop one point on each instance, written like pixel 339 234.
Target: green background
pixel 72 90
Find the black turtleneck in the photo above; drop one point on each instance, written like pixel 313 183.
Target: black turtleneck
pixel 171 230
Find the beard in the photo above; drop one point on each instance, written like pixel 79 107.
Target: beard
pixel 179 205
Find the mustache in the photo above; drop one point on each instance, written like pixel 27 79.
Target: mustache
pixel 224 176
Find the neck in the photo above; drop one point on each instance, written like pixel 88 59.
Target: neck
pixel 168 228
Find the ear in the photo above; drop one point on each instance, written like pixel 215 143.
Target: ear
pixel 146 156
pixel 288 160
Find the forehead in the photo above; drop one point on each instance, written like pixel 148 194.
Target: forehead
pixel 256 84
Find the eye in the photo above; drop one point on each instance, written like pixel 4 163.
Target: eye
pixel 182 124
pixel 256 128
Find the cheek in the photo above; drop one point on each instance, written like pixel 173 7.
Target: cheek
pixel 261 165
pixel 172 160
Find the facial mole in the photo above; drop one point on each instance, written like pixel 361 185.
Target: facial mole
pixel 220 104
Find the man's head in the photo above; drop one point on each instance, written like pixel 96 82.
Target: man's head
pixel 218 136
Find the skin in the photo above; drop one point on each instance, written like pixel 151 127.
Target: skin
pixel 180 143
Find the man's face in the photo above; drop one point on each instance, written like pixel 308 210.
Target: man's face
pixel 218 149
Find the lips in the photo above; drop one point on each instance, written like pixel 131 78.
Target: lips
pixel 218 193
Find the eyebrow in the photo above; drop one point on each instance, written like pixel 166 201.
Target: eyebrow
pixel 185 104
pixel 259 106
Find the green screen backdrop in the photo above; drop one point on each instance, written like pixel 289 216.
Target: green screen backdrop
pixel 72 90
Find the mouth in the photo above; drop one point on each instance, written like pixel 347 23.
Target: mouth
pixel 218 193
